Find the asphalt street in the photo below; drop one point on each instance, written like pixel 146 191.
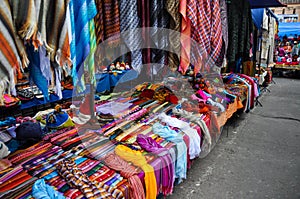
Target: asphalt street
pixel 260 158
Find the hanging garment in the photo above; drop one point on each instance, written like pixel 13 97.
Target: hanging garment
pixel 159 18
pixel 127 171
pixel 90 60
pixel 224 22
pixel 172 6
pixel 24 18
pixel 129 23
pixel 35 73
pixel 185 38
pixel 81 12
pixel 206 32
pixel 13 56
pixel 107 21
pixel 137 159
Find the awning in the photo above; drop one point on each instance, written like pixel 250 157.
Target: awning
pixel 258 13
pixel 289 29
pixel 265 3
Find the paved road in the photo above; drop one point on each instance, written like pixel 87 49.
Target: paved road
pixel 261 156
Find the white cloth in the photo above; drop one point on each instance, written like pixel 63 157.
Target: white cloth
pixel 195 140
pixel 113 108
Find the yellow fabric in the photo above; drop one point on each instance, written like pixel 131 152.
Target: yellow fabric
pixel 137 158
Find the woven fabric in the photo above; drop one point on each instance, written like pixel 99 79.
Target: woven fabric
pixel 77 179
pixel 206 31
pixel 14 51
pixel 136 158
pixel 172 6
pixel 107 21
pixel 159 18
pixel 24 18
pixel 81 12
pixel 90 60
pixel 128 171
pixel 129 21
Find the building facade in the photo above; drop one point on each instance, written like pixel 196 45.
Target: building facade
pixel 289 14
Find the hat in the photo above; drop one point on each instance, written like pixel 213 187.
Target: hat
pixel 295 42
pixel 29 130
pixel 58 119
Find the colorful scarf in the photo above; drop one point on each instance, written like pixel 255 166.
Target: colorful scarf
pixel 127 171
pixel 166 170
pixel 137 159
pixel 177 138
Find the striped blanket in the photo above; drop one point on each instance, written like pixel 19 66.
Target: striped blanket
pixel 12 50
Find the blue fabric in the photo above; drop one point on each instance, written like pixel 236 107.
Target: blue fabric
pixel 35 74
pixel 8 121
pixel 107 80
pixel 12 145
pixel 40 190
pixel 81 11
pixel 257 16
pixel 52 98
pixel 173 136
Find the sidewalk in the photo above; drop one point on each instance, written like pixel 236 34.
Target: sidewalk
pixel 261 156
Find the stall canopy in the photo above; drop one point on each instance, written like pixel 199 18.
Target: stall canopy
pixel 265 3
pixel 258 14
pixel 289 29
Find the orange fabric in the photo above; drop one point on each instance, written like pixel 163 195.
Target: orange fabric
pixel 185 38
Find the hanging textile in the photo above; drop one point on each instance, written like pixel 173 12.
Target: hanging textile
pixel 24 18
pixel 35 74
pixel 107 21
pixel 90 60
pixel 81 12
pixel 185 38
pixel 129 21
pixel 12 54
pixel 206 31
pixel 240 26
pixel 159 18
pixel 172 7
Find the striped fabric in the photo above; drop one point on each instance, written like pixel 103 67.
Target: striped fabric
pixel 206 30
pixel 172 7
pixel 81 12
pixel 129 21
pixel 90 60
pixel 159 18
pixel 24 18
pixel 10 55
pixel 107 21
